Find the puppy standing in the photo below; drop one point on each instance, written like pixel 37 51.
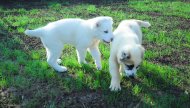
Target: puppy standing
pixel 83 34
pixel 126 50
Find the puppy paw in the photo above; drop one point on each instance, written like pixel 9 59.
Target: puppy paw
pixel 115 87
pixel 61 69
pixel 59 61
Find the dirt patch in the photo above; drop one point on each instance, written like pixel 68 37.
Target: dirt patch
pixel 153 46
pixel 176 58
pixel 84 99
pixel 6 97
pixel 172 0
pixel 53 92
pixel 35 4
pixel 184 24
pixel 31 43
pixel 154 14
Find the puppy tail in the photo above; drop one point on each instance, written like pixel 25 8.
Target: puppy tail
pixel 34 33
pixel 143 23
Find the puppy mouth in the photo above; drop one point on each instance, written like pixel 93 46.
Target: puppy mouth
pixel 106 41
pixel 130 74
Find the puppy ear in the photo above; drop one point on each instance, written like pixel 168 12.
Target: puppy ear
pixel 97 24
pixel 111 19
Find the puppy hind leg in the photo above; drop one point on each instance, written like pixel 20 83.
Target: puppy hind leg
pixel 53 55
pixel 47 55
pixel 59 61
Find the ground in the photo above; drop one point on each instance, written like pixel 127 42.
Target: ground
pixel 26 80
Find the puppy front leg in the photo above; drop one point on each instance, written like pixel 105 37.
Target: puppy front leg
pixel 115 76
pixel 96 56
pixel 81 54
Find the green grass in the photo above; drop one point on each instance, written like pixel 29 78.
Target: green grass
pixel 163 78
pixel 179 9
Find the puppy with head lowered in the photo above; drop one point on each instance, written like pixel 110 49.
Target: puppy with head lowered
pixel 83 34
pixel 126 51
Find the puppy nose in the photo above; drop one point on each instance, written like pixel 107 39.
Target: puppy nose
pixel 111 39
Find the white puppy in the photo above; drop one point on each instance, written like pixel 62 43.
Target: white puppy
pixel 126 51
pixel 83 34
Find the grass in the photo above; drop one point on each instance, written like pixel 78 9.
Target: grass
pixel 27 80
pixel 179 9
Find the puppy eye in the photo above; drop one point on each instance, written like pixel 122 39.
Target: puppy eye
pixel 106 31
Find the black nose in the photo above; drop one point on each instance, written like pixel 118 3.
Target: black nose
pixel 132 76
pixel 130 67
pixel 111 39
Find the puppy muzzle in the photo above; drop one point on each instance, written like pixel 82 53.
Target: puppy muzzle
pixel 130 73
pixel 106 41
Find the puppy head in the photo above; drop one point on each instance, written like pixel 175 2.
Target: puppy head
pixel 130 58
pixel 103 28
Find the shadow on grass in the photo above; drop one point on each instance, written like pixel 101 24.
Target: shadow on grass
pixel 90 88
pixel 36 4
pixel 163 90
pixel 43 4
pixel 172 0
pixel 161 93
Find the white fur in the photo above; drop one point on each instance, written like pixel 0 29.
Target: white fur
pixel 126 50
pixel 83 34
